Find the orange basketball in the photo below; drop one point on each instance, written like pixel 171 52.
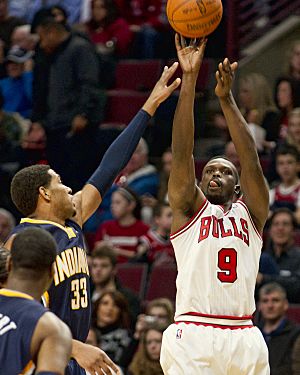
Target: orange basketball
pixel 194 18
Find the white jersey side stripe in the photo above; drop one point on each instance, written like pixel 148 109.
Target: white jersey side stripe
pixel 190 222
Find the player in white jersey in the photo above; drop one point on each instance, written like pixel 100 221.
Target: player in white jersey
pixel 216 238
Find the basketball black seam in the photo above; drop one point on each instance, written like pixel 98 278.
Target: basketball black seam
pixel 194 19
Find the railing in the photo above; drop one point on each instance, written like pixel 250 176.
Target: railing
pixel 248 20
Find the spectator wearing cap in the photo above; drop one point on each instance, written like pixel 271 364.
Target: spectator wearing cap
pixel 17 87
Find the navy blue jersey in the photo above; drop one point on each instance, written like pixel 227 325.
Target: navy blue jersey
pixel 69 294
pixel 19 315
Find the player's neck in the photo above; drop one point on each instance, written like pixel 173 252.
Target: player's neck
pixel 227 206
pixel 34 289
pixel 41 214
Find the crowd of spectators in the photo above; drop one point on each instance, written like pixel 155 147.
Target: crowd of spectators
pixel 56 64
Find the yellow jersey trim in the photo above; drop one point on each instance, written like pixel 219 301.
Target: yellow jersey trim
pixel 70 232
pixel 14 293
pixel 46 299
pixel 29 367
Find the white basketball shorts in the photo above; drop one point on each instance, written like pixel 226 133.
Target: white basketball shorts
pixel 191 349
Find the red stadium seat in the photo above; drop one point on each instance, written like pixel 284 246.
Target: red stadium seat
pixel 293 313
pixel 122 106
pixel 162 283
pixel 133 276
pixel 140 75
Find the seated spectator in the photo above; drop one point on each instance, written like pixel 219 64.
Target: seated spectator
pixel 147 18
pixel 110 319
pixel 159 310
pixel 11 132
pixel 292 138
pixel 282 336
pixel 293 134
pixel 282 249
pixel 103 276
pixel 22 38
pixel 7 224
pixel 17 87
pixel 138 175
pixel 107 30
pixel 146 359
pixel 166 160
pixel 287 192
pixel 287 97
pixel 4 254
pixel 258 108
pixel 155 246
pixel 293 60
pixel 125 231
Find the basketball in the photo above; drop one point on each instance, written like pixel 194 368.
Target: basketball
pixel 194 18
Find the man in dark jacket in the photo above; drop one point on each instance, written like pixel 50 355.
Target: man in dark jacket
pixel 68 101
pixel 281 335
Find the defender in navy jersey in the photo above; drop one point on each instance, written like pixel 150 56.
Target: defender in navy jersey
pixel 31 337
pixel 40 195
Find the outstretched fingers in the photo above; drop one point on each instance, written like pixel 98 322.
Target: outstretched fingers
pixel 180 42
pixel 168 73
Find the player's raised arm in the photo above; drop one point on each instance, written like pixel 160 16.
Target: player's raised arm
pixel 121 150
pixel 254 188
pixel 184 196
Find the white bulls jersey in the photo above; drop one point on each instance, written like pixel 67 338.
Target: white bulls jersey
pixel 217 256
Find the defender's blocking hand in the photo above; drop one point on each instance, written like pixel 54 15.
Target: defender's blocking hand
pixel 161 90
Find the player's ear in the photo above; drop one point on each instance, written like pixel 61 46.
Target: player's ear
pixel 44 193
pixel 237 190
